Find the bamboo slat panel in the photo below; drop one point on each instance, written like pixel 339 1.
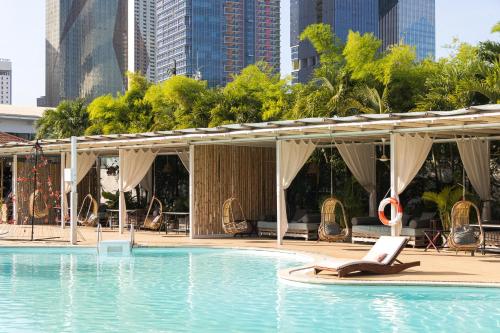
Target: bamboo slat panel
pixel 221 172
pixel 89 184
pixel 25 189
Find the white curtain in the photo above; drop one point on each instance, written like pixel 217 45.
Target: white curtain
pixel 360 159
pixel 84 163
pixel 410 153
pixel 184 157
pixel 134 165
pixel 292 156
pixel 147 182
pixel 475 155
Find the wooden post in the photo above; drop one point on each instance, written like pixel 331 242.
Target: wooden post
pixel 192 219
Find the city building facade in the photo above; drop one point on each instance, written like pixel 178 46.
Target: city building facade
pixel 409 21
pixel 87 46
pixel 215 39
pixel 5 81
pixel 412 22
pixel 341 15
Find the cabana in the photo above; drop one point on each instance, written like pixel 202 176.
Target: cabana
pixel 257 162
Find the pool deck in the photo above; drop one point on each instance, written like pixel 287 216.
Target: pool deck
pixel 436 268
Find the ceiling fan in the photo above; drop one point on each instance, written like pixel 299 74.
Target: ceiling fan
pixel 384 157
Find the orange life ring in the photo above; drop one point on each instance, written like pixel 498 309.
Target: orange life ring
pixel 399 210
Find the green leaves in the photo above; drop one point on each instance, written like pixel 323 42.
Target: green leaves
pixel 68 119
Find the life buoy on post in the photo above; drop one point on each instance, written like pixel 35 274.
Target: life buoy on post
pixel 399 210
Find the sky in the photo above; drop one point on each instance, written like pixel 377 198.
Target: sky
pixel 22 37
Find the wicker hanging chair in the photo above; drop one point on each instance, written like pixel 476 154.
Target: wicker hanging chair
pixel 88 213
pixel 460 220
pixel 153 222
pixel 234 225
pixel 34 208
pixel 329 220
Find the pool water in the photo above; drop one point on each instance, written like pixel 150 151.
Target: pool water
pixel 213 290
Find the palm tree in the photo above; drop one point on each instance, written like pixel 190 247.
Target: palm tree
pixel 68 119
pixel 445 200
pixel 366 99
pixel 489 82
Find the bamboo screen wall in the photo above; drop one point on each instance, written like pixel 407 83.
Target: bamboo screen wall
pixel 89 184
pixel 221 172
pixel 25 189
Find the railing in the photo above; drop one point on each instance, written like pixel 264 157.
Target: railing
pixel 99 236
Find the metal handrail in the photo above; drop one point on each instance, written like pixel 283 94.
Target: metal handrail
pixel 99 236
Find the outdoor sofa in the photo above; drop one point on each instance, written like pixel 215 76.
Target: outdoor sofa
pixel 369 229
pixel 303 225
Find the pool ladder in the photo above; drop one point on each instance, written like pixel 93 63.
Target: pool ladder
pixel 119 246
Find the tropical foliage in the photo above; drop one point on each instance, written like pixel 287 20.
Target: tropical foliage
pixel 444 200
pixel 351 78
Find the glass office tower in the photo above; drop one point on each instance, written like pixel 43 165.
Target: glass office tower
pixel 215 39
pixel 411 21
pixel 341 15
pixel 87 51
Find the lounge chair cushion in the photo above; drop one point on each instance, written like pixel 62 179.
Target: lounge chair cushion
pixel 464 235
pixel 156 212
pixel 378 257
pixel 388 245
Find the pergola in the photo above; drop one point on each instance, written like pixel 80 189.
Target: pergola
pixel 289 143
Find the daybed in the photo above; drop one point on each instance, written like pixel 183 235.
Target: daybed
pixel 302 225
pixel 369 229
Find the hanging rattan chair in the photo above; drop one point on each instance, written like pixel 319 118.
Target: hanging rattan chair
pixel 153 220
pixel 329 222
pixel 231 223
pixel 88 214
pixel 460 220
pixel 34 209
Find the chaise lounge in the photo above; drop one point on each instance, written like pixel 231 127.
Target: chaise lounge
pixel 381 259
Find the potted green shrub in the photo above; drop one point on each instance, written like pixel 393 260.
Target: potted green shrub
pixel 444 201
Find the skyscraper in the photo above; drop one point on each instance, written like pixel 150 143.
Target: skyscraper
pixel 214 39
pixel 411 21
pixel 341 15
pixel 88 49
pixel 5 81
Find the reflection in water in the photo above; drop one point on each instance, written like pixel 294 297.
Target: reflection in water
pixel 197 290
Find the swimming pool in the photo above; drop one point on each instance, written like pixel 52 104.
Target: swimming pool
pixel 213 290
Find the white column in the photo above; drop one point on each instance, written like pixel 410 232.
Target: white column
pixel 192 219
pixel 395 229
pixel 63 194
pixel 14 188
pixel 74 191
pixel 278 194
pixel 121 207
